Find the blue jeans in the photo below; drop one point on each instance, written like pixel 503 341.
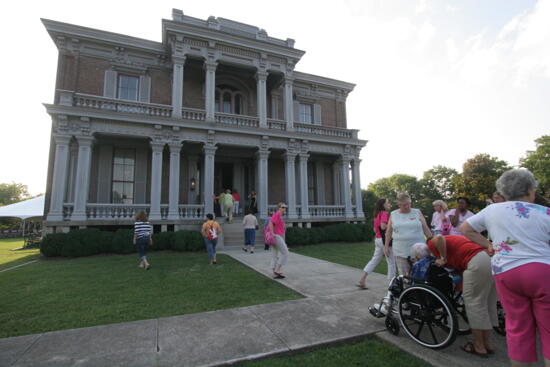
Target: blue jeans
pixel 142 244
pixel 211 247
pixel 250 237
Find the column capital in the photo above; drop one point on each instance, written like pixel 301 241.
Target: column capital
pixel 62 139
pixel 210 65
pixel 209 149
pixel 303 156
pixel 175 147
pixel 85 140
pixel 157 146
pixel 262 154
pixel 290 156
pixel 178 59
pixel 261 75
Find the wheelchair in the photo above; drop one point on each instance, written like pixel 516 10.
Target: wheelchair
pixel 431 311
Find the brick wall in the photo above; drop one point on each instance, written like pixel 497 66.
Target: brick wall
pixel 91 75
pixel 161 86
pixel 193 82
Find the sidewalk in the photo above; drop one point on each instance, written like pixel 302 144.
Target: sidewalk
pixel 334 310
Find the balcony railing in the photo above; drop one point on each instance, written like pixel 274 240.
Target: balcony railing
pixel 327 211
pixel 191 211
pixel 236 120
pixel 114 211
pixel 108 104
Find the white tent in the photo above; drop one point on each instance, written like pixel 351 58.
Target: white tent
pixel 24 209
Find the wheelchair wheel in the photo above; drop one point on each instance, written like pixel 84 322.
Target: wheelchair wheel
pixel 392 325
pixel 427 316
pixel 501 328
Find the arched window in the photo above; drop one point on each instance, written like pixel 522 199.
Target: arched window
pixel 227 102
pixel 238 106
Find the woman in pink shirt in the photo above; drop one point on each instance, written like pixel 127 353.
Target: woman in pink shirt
pixel 381 218
pixel 280 249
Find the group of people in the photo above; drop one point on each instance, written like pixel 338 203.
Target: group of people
pixel 228 204
pixel 512 263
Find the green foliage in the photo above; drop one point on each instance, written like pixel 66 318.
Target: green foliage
pixel 389 187
pixel 343 232
pixel 187 241
pixel 12 193
pixel 162 241
pixel 296 236
pixel 538 162
pixel 369 201
pixel 52 243
pixel 82 242
pixel 477 181
pixel 439 183
pixel 123 242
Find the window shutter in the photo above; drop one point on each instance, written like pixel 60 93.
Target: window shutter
pixel 144 88
pixel 109 85
pixel 317 114
pixel 296 108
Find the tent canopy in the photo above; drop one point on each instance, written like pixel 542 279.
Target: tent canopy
pixel 24 209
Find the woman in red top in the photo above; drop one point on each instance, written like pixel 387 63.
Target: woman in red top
pixel 381 218
pixel 480 299
pixel 279 249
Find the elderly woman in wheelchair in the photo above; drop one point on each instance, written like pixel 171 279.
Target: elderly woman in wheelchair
pixel 431 306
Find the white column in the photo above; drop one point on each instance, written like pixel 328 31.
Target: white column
pixel 210 90
pixel 261 172
pixel 344 172
pixel 192 169
pixel 289 103
pixel 290 179
pixel 82 182
pixel 357 188
pixel 59 180
pixel 304 185
pixel 174 182
pixel 177 85
pixel 261 91
pixel 156 179
pixel 208 182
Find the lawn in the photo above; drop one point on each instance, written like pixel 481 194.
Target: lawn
pixel 370 352
pixel 356 254
pixel 56 294
pixel 9 258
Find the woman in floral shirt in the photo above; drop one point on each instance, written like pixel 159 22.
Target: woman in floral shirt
pixel 521 263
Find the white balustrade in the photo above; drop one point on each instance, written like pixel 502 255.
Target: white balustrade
pixel 324 130
pixel 114 211
pixel 67 211
pixel 276 124
pixel 193 114
pixel 163 211
pixel 327 211
pixel 191 211
pixel 108 104
pixel 236 120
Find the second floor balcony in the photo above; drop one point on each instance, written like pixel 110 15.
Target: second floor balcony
pixel 119 106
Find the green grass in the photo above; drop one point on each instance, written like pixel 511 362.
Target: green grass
pixel 371 352
pixel 355 254
pixel 61 294
pixel 9 258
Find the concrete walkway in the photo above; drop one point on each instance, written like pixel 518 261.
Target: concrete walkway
pixel 334 310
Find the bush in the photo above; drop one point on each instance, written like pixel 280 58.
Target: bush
pixel 187 241
pixel 82 242
pixel 122 242
pixel 162 241
pixel 296 236
pixel 316 235
pixel 343 232
pixel 106 242
pixel 51 244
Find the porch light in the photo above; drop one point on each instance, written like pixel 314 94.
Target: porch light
pixel 193 184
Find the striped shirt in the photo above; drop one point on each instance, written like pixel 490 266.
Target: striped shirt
pixel 142 229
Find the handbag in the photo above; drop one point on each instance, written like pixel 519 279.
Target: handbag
pixel 269 237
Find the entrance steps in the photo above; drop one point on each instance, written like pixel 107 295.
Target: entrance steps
pixel 233 233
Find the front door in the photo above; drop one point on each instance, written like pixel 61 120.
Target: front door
pixel 223 177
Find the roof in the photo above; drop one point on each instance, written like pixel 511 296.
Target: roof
pixel 24 209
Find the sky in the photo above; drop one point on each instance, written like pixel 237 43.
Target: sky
pixel 437 82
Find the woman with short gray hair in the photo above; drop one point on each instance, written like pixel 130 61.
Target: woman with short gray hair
pixel 406 227
pixel 520 231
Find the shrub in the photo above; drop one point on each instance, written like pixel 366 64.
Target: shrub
pixel 122 242
pixel 162 241
pixel 82 242
pixel 187 241
pixel 296 236
pixel 316 235
pixel 106 242
pixel 51 244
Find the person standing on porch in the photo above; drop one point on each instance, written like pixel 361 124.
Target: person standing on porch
pixel 210 232
pixel 253 204
pixel 250 224
pixel 142 238
pixel 226 202
pixel 280 249
pixel 236 201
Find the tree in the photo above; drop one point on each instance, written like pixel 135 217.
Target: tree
pixel 478 177
pixel 389 187
pixel 13 193
pixel 369 200
pixel 439 183
pixel 538 162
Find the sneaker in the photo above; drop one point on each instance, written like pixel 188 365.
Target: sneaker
pixel 383 309
pixel 251 251
pixel 244 249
